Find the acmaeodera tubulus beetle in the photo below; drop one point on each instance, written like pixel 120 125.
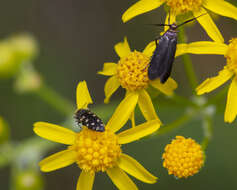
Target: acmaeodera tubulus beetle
pixel 89 119
pixel 162 60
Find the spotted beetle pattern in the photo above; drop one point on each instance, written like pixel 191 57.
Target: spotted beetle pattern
pixel 89 119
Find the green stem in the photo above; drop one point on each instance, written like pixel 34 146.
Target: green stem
pixel 6 154
pixel 55 100
pixel 188 62
pixel 175 124
pixel 216 99
pixel 183 101
pixel 207 130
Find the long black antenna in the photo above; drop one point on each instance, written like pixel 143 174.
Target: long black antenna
pixel 187 21
pixel 190 20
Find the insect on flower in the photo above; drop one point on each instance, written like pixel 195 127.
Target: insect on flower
pixel 89 119
pixel 162 60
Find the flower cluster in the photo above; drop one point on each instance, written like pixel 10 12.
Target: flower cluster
pixel 183 157
pixel 95 150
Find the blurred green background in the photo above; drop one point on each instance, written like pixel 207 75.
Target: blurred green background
pixel 75 39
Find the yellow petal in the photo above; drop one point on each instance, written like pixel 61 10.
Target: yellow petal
pixel 209 26
pixel 170 19
pixel 54 133
pixel 135 169
pixel 150 48
pixel 231 105
pixel 122 112
pixel 58 160
pixel 221 7
pixel 132 116
pixel 85 181
pixel 146 106
pixel 122 48
pixel 109 69
pixel 167 88
pixel 141 7
pixel 138 132
pixel 111 85
pixel 212 83
pixel 121 179
pixel 83 95
pixel 203 47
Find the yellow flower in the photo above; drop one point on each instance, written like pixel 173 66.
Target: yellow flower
pixel 98 151
pixel 14 51
pixel 27 80
pixel 183 157
pixel 228 72
pixel 197 7
pixel 131 74
pixel 24 45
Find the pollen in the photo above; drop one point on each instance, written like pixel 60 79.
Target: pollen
pixel 96 151
pixel 183 157
pixel 184 6
pixel 231 55
pixel 132 71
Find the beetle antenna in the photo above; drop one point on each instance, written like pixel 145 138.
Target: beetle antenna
pixel 190 20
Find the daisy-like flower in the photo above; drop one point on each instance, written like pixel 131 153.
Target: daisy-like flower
pixel 229 71
pixel 98 151
pixel 131 74
pixel 197 7
pixel 14 51
pixel 183 157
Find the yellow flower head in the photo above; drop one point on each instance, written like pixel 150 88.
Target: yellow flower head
pixel 196 7
pixel 231 55
pixel 183 157
pixel 131 74
pixel 14 51
pixel 183 6
pixel 98 151
pixel 24 45
pixel 132 71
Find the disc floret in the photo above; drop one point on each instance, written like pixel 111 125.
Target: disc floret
pixel 132 71
pixel 183 157
pixel 96 151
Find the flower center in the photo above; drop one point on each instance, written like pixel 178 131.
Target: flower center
pixel 96 151
pixel 184 6
pixel 231 55
pixel 132 71
pixel 183 157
